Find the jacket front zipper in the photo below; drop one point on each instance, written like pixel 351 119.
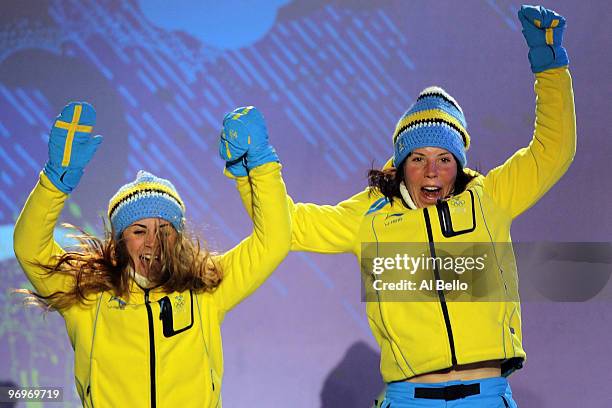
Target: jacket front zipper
pixel 151 348
pixel 447 322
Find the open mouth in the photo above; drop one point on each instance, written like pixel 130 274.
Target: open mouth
pixel 431 193
pixel 146 258
pixel 148 265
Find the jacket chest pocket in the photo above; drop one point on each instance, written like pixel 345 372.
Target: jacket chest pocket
pixel 457 215
pixel 176 313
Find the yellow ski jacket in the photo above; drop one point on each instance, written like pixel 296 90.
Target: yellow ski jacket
pixel 418 337
pixel 155 349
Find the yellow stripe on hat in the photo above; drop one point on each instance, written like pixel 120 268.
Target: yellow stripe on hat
pixel 72 128
pixel 429 115
pixel 151 185
pixel 147 185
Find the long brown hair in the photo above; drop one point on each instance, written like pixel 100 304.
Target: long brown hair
pixel 387 181
pixel 98 265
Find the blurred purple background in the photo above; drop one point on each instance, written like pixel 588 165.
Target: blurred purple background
pixel 332 78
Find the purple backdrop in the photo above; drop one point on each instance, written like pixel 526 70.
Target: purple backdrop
pixel 331 78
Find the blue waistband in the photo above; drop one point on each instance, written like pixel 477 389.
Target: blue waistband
pixel 488 386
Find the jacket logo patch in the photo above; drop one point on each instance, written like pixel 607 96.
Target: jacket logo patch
pixel 120 303
pixel 456 202
pixel 179 303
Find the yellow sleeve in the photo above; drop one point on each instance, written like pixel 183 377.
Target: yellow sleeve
pixel 33 237
pixel 246 266
pixel 523 179
pixel 329 229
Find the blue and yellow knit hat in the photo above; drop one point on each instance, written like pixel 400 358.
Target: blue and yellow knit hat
pixel 146 197
pixel 434 120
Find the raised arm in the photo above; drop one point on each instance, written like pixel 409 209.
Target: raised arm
pixel 246 266
pixel 328 229
pixel 71 146
pixel 520 182
pixel 33 240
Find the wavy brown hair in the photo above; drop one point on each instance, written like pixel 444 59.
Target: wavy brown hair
pixel 98 265
pixel 387 181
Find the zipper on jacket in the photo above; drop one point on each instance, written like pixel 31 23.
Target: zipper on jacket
pixel 151 348
pixel 449 329
pixel 88 393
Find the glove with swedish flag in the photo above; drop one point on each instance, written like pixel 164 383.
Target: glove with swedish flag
pixel 71 145
pixel 543 30
pixel 244 141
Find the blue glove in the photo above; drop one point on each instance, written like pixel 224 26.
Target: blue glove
pixel 228 150
pixel 244 141
pixel 543 30
pixel 71 145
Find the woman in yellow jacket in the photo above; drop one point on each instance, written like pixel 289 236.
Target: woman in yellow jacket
pixel 453 345
pixel 143 307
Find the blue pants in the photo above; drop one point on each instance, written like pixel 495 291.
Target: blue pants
pixel 487 393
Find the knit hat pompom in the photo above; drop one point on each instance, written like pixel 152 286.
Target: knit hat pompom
pixel 146 197
pixel 434 120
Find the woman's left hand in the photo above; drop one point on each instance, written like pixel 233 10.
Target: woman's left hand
pixel 244 142
pixel 543 30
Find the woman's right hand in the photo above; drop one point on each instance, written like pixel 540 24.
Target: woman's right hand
pixel 71 145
